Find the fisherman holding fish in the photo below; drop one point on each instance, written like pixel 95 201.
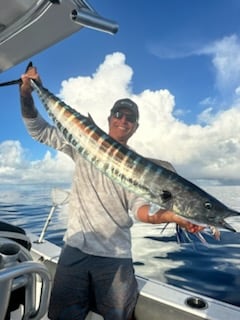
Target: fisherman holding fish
pixel 95 270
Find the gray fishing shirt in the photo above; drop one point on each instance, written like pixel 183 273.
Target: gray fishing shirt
pixel 98 214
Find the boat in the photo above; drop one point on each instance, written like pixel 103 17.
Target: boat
pixel 28 264
pixel 28 261
pixel 44 22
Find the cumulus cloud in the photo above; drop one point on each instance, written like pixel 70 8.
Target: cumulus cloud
pixel 198 152
pixel 15 167
pixel 96 94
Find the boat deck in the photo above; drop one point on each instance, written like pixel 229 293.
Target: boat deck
pixel 157 300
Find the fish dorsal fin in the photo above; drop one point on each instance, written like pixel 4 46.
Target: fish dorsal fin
pixel 91 119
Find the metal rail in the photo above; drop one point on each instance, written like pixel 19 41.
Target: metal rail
pixel 18 280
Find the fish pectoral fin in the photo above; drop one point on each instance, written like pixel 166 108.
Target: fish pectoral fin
pixel 166 195
pixel 166 198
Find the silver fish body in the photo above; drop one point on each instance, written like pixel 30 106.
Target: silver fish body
pixel 145 178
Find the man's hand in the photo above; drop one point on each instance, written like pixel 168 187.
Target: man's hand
pixel 189 226
pixel 26 88
pixel 27 104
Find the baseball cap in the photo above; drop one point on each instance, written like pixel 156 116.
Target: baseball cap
pixel 127 104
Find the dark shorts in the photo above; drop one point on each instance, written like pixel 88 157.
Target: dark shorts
pixel 84 282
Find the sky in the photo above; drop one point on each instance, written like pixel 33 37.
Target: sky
pixel 178 60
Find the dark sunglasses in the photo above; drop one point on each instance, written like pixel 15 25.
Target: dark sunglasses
pixel 129 117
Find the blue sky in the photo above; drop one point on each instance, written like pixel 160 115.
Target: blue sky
pixel 179 60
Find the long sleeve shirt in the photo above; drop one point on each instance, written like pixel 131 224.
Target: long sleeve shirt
pixel 98 214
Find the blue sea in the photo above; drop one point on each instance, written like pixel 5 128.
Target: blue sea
pixel 211 268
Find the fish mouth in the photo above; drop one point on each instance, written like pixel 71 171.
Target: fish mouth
pixel 231 213
pixel 227 226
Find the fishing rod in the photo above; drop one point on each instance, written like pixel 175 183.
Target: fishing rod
pixel 9 83
pixel 17 81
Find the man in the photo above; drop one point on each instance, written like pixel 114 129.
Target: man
pixel 95 269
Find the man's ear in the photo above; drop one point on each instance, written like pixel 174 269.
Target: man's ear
pixel 137 125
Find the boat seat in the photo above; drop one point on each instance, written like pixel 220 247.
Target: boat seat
pixel 15 233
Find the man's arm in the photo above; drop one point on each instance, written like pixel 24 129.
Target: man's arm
pixel 27 106
pixel 166 216
pixel 36 125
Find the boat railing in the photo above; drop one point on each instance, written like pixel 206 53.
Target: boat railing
pixel 19 276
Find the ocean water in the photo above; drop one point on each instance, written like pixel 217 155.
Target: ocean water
pixel 211 268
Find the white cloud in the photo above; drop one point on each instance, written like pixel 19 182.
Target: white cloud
pixel 175 50
pixel 16 168
pixel 197 151
pixel 226 61
pixel 206 116
pixel 223 52
pixel 96 94
pixel 11 154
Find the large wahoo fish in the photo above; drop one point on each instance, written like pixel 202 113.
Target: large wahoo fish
pixel 153 182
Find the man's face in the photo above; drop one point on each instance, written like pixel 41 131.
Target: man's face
pixel 122 125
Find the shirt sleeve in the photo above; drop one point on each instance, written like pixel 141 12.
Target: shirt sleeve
pixel 138 202
pixel 45 133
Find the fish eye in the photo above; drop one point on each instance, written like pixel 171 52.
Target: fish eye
pixel 208 205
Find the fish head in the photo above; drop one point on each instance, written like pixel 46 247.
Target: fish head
pixel 193 203
pixel 202 208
